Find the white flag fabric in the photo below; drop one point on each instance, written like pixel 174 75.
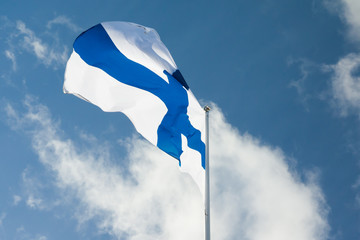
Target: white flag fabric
pixel 124 67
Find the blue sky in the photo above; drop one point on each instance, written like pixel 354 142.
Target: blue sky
pixel 283 80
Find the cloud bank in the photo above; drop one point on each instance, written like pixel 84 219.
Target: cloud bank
pixel 254 194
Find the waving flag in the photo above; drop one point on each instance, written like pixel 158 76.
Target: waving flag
pixel 124 67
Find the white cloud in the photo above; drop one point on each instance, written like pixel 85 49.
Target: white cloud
pixel 47 46
pixel 22 234
pixel 2 217
pixel 254 194
pixel 10 55
pixel 2 231
pixel 33 202
pixel 306 67
pixel 299 83
pixel 269 201
pixel 346 78
pixel 16 200
pixel 348 11
pixel 32 188
pixel 31 41
pixel 345 84
pixel 351 14
pixel 11 113
pixel 63 20
pixel 47 55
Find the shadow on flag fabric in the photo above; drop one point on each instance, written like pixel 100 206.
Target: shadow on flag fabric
pixel 124 67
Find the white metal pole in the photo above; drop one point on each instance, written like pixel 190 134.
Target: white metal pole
pixel 207 172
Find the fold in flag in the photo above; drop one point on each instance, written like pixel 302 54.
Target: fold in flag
pixel 124 67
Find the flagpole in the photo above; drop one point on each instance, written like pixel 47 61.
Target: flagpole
pixel 207 172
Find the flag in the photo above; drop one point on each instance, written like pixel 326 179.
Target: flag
pixel 125 67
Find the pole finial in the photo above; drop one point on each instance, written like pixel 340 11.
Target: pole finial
pixel 207 108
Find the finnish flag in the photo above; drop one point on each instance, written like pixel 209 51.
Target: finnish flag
pixel 124 67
